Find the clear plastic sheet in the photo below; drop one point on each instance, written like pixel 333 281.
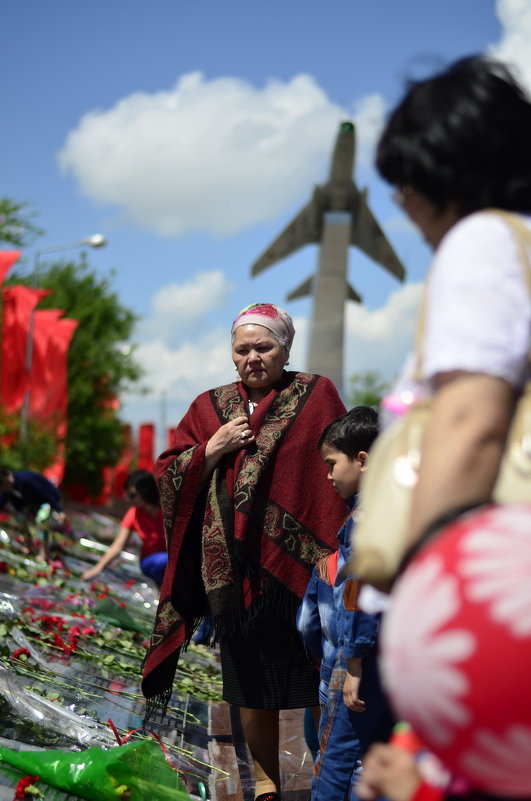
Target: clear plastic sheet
pixel 35 718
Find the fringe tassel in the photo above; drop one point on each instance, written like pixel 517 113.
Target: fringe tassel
pixel 157 704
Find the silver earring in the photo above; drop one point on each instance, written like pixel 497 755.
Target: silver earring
pixel 286 363
pixel 235 368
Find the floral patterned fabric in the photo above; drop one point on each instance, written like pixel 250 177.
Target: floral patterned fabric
pixel 456 648
pixel 243 545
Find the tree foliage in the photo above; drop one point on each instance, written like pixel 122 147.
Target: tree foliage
pixel 99 366
pixel 16 223
pixel 367 389
pixel 37 450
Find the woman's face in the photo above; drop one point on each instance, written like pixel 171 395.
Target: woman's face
pixel 432 223
pixel 258 356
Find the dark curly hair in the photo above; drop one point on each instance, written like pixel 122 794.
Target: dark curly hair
pixel 464 137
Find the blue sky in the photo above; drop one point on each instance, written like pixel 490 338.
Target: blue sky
pixel 190 133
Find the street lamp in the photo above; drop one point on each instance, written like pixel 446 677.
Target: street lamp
pixel 94 241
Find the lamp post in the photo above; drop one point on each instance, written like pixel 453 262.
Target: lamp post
pixel 94 241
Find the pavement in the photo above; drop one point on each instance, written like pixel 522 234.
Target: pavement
pixel 228 751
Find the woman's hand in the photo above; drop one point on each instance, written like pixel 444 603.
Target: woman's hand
pixel 228 438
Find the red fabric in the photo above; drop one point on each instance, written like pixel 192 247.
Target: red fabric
pixel 171 437
pixel 41 376
pixel 18 305
pixel 123 468
pixel 150 530
pixel 427 792
pixel 7 259
pixel 456 648
pixel 56 403
pixel 271 502
pixel 331 565
pixel 106 487
pixel 57 368
pixel 146 444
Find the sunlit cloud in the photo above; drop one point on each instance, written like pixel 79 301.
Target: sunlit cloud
pixel 178 310
pixel 513 47
pixel 214 155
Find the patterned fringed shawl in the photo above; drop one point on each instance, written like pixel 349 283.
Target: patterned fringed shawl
pixel 245 542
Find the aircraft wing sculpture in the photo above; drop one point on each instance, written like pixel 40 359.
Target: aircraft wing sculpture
pixel 336 217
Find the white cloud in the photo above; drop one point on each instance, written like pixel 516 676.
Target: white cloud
pixel 515 17
pixel 369 115
pixel 178 309
pixel 211 155
pixel 380 339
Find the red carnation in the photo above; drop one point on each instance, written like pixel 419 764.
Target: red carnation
pixel 20 652
pixel 26 787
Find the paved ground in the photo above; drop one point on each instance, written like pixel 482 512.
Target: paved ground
pixel 228 751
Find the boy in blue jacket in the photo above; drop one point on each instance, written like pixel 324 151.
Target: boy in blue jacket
pixel 337 635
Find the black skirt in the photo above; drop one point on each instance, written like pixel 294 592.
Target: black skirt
pixel 268 668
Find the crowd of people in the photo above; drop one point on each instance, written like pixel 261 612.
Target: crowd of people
pixel 250 523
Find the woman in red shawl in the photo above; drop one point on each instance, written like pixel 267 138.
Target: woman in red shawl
pixel 247 513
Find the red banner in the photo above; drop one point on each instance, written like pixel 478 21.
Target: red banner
pixel 42 375
pixel 123 468
pixel 171 436
pixel 55 405
pixel 146 443
pixel 7 259
pixel 18 305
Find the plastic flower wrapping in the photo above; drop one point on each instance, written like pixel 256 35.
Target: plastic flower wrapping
pixel 71 655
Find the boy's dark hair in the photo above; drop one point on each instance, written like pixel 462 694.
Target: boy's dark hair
pixel 144 483
pixel 462 136
pixel 351 433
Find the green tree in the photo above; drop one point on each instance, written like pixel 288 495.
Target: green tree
pixel 367 389
pixel 37 450
pixel 16 223
pixel 99 367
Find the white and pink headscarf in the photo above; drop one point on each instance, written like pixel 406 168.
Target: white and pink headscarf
pixel 269 316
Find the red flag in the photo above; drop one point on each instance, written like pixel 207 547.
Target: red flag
pixel 7 259
pixel 171 435
pixel 18 305
pixel 57 367
pixel 56 401
pixel 146 442
pixel 123 468
pixel 42 373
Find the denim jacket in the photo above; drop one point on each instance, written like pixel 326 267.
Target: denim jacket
pixel 328 621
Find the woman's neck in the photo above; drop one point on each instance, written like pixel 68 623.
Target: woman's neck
pixel 256 395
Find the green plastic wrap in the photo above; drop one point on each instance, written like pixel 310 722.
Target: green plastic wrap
pixel 110 610
pixel 133 772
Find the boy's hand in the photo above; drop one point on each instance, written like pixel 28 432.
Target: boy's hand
pixel 390 772
pixel 352 685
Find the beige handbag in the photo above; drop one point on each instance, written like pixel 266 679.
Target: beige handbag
pixel 386 487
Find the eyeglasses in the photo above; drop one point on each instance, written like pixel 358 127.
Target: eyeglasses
pixel 401 193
